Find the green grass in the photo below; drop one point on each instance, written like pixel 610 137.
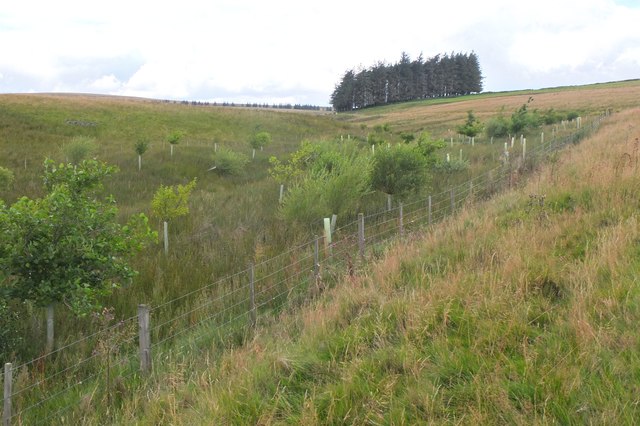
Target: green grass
pixel 465 326
pixel 513 329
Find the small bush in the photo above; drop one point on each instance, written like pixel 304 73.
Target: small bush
pixel 398 170
pixel 572 115
pixel 78 149
pixel 497 127
pixel 260 140
pixel 230 163
pixel 551 116
pixel 322 192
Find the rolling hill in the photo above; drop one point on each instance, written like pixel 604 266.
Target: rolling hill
pixel 518 308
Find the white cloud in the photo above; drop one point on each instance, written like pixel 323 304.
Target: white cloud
pixel 106 84
pixel 295 50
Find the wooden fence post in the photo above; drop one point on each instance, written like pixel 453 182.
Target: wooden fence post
pixel 316 258
pixel 8 383
pixel 144 338
pixel 453 201
pixel 50 328
pixel 361 234
pixel 252 296
pixel 334 218
pixel 401 221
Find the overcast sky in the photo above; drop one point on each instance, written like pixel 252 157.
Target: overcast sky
pixel 294 51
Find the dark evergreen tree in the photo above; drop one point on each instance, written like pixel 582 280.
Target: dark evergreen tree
pixel 440 76
pixel 342 97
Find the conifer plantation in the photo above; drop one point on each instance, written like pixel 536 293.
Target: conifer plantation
pixel 440 76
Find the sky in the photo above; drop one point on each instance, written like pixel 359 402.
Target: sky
pixel 293 51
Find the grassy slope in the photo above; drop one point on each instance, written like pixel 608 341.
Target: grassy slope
pixel 36 125
pixel 228 215
pixel 511 312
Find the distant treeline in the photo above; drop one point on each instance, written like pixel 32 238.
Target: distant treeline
pixel 251 105
pixel 444 75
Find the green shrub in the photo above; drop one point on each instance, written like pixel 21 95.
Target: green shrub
pixel 78 149
pixel 324 191
pixel 572 115
pixel 170 202
pixel 260 140
pixel 497 127
pixel 398 170
pixel 551 116
pixel 375 139
pixel 229 163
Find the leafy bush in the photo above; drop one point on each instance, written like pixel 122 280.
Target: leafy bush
pixel 141 147
pixel 497 127
pixel 407 137
pixel 551 116
pixel 428 147
pixel 170 202
pixel 398 170
pixel 311 157
pixel 260 140
pixel 471 127
pixel 67 247
pixel 375 139
pixel 296 165
pixel 230 163
pixel 335 184
pixel 572 115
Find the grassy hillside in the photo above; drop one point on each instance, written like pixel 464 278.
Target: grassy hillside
pixel 229 215
pixel 517 310
pixel 235 220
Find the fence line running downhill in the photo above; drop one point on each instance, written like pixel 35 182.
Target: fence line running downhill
pixel 229 306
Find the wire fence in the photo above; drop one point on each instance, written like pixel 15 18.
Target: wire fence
pixel 58 384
